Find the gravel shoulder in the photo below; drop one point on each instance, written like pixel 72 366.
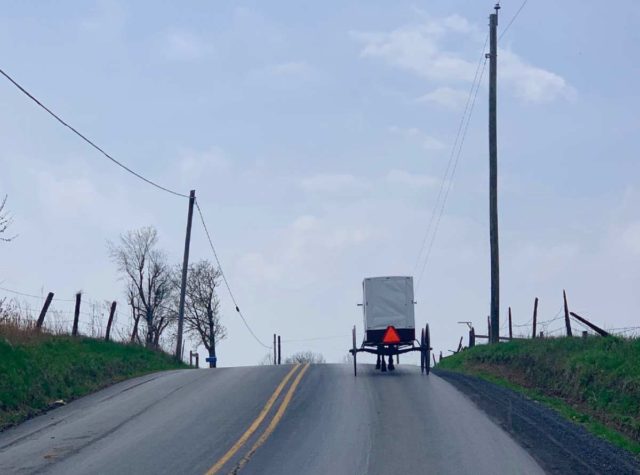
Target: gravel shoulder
pixel 559 445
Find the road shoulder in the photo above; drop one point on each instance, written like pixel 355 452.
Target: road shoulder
pixel 559 445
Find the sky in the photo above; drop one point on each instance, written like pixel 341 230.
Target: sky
pixel 316 136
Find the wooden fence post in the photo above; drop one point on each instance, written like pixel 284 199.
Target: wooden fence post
pixel 595 328
pixel 43 312
pixel 434 359
pixel 197 360
pixel 535 317
pixel 110 321
pixel 76 315
pixel 440 357
pixel 472 338
pixel 510 327
pixel 460 344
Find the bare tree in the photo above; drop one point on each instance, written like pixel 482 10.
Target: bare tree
pixel 149 283
pixel 305 357
pixel 202 306
pixel 134 304
pixel 5 221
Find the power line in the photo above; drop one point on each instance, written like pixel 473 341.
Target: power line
pixel 453 171
pixel 224 277
pixel 90 142
pixel 513 18
pixel 450 161
pixel 300 340
pixel 23 294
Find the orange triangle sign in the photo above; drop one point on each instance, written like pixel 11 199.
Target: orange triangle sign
pixel 391 336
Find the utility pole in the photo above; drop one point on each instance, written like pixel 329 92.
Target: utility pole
pixel 275 350
pixel 185 265
pixel 494 336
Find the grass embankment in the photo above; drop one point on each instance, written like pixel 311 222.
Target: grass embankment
pixel 38 369
pixel 595 382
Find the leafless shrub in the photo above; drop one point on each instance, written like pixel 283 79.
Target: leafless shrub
pixel 5 221
pixel 266 360
pixel 305 357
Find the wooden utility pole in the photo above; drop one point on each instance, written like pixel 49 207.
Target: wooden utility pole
pixel 275 350
pixel 510 325
pixel 494 336
pixel 185 266
pixel 279 351
pixel 76 315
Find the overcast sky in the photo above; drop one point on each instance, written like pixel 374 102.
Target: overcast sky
pixel 316 135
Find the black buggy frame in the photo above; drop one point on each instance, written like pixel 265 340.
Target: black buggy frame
pixel 391 350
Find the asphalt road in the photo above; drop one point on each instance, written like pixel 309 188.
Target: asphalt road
pixel 268 420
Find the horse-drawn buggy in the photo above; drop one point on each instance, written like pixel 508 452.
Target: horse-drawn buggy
pixel 389 323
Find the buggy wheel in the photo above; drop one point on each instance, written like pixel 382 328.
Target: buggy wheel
pixel 354 351
pixel 427 349
pixel 422 352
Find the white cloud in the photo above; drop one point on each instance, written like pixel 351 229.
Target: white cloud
pixel 403 177
pixel 529 82
pixel 333 184
pixel 305 251
pixel 413 133
pixel 184 46
pixel 416 48
pixel 459 24
pixel 419 49
pixel 446 97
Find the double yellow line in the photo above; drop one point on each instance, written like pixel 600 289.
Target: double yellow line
pixel 256 423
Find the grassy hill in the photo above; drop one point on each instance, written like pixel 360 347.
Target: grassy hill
pixel 38 369
pixel 594 381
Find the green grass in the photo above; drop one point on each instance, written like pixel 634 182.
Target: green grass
pixel 595 382
pixel 36 371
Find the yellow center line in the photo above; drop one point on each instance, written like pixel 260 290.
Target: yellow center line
pixel 274 422
pixel 252 428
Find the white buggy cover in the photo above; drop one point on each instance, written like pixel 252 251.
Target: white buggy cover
pixel 388 301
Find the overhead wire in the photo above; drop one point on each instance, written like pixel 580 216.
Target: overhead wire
pixel 450 161
pixel 513 18
pixel 224 277
pixel 86 139
pixel 40 297
pixel 319 338
pixel 450 183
